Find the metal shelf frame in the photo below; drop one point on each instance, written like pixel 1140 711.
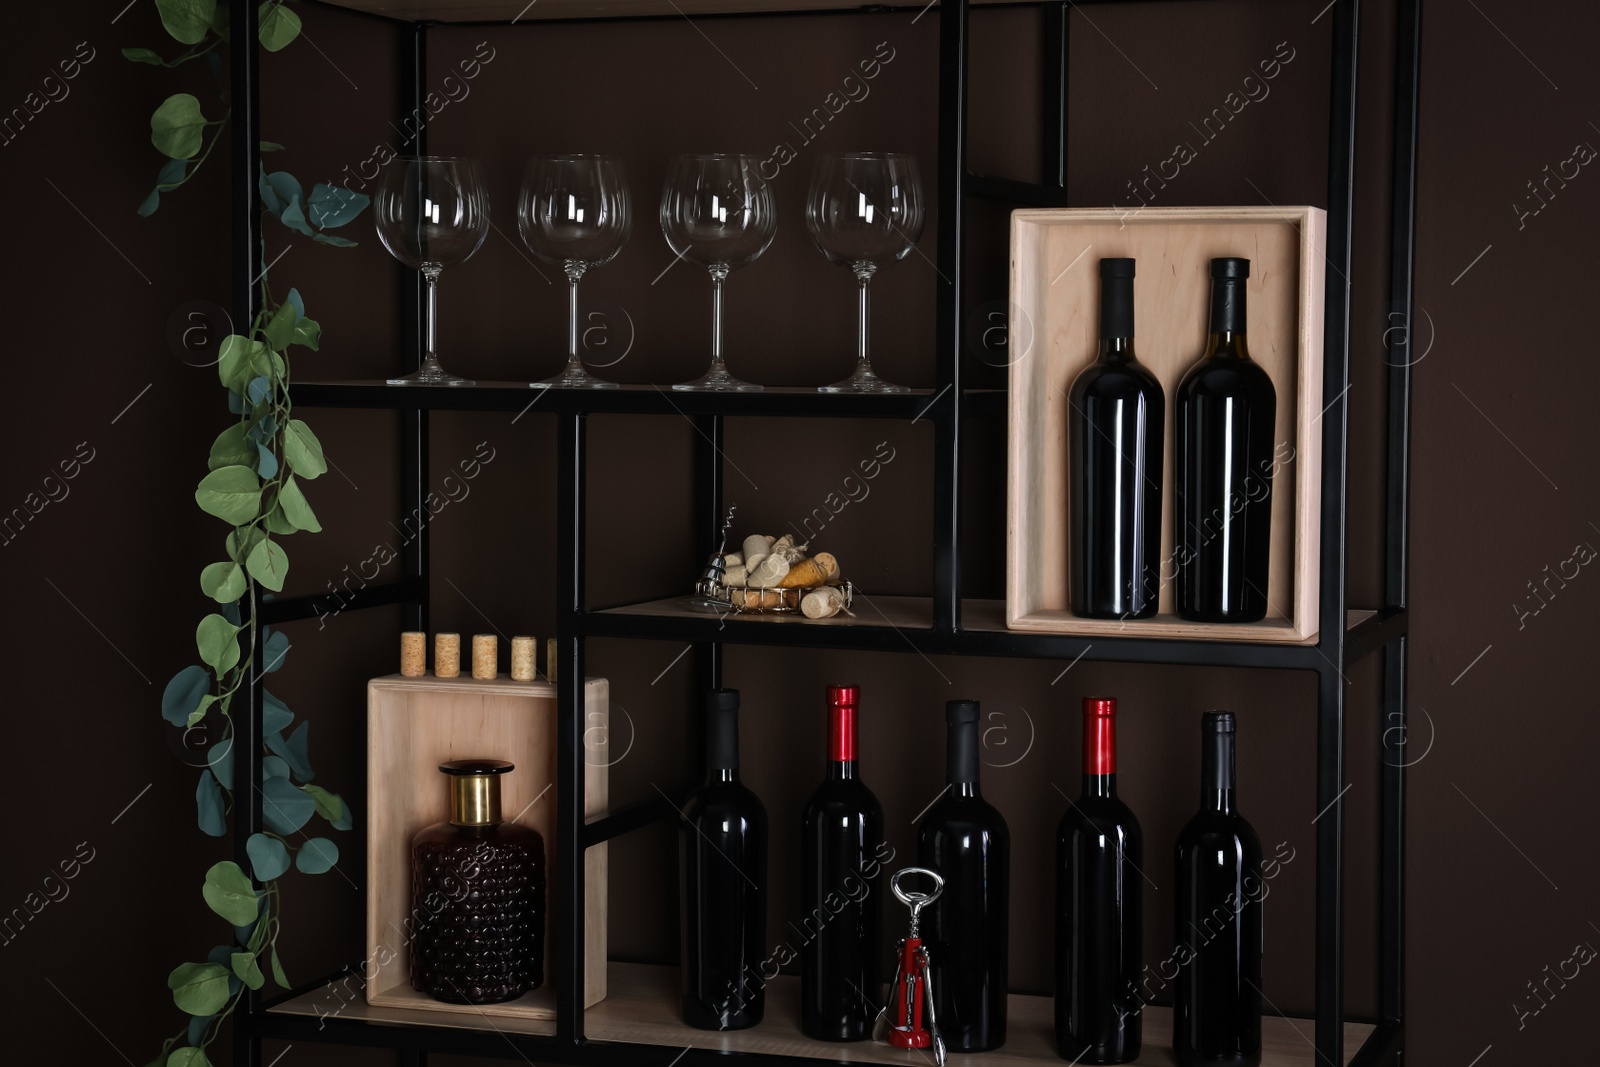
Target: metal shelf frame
pixel 945 408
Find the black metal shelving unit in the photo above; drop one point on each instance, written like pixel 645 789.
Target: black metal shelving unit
pixel 943 624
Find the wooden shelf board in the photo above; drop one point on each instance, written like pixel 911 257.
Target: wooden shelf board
pixel 523 11
pixel 901 612
pixel 641 1007
pixel 321 1003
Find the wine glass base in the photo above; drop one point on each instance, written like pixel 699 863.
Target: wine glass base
pixel 573 378
pixel 863 381
pixel 718 381
pixel 428 376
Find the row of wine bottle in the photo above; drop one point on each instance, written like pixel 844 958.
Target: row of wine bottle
pixel 1224 459
pixel 727 962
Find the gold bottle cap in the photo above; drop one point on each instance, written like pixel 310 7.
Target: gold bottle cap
pixel 475 790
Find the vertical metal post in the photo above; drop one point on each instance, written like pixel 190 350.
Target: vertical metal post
pixel 414 423
pixel 1397 532
pixel 1055 41
pixel 246 257
pixel 946 407
pixel 710 511
pixel 1335 430
pixel 567 887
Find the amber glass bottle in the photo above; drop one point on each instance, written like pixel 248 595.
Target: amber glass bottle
pixel 477 896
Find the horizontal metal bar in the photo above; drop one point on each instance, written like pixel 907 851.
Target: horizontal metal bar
pixel 316 605
pixel 634 817
pixel 635 400
pixel 1011 191
pixel 1374 632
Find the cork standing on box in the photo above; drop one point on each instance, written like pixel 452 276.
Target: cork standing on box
pixel 485 657
pixel 447 655
pixel 413 654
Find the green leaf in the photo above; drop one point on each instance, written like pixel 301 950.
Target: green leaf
pixel 170 176
pixel 217 640
pixel 329 806
pixel 267 468
pixel 258 389
pixel 198 1024
pixel 268 564
pixel 223 582
pixel 294 504
pixel 331 206
pixel 200 709
pixel 232 494
pixel 303 451
pixel 333 239
pixel 277 970
pixel 219 757
pixel 317 856
pixel 183 692
pixel 268 858
pixel 293 751
pixel 148 205
pixel 143 55
pixel 232 448
pixel 190 1057
pixel 230 895
pixel 271 146
pixel 176 127
pixel 284 807
pixel 275 714
pixel 249 972
pixel 294 217
pixel 280 328
pixel 200 988
pixel 187 21
pixel 298 302
pixel 220 21
pixel 307 332
pixel 279 25
pixel 208 802
pixel 240 359
pixel 273 767
pixel 277 649
pixel 252 536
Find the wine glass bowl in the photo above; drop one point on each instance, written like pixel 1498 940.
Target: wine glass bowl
pixel 431 212
pixel 574 212
pixel 864 209
pixel 717 211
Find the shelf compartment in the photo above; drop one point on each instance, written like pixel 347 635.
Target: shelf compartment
pixel 905 624
pixel 638 400
pixel 1054 299
pixel 643 1009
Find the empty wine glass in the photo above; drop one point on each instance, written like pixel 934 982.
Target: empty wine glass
pixel 431 212
pixel 864 209
pixel 574 212
pixel 717 211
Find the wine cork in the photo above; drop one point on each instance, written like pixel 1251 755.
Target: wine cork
pixel 524 652
pixel 447 655
pixel 485 657
pixel 550 661
pixel 413 654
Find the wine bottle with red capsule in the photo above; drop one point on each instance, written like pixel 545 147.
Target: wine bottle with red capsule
pixel 842 857
pixel 1099 853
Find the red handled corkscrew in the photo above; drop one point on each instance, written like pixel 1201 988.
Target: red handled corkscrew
pixel 912 1020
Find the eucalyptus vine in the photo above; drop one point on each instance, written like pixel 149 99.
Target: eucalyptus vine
pixel 257 468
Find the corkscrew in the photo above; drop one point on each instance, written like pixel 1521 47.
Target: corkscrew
pixel 912 1020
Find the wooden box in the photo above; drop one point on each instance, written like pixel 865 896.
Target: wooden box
pixel 1055 287
pixel 413 725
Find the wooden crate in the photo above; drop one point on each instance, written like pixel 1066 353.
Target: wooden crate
pixel 413 725
pixel 1055 310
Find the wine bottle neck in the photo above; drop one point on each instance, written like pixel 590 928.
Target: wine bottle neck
pixel 1217 772
pixel 722 744
pixel 1116 349
pixel 961 758
pixel 1228 318
pixel 1116 310
pixel 722 775
pixel 842 770
pixel 1100 785
pixel 842 733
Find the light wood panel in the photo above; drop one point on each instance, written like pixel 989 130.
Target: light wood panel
pixel 1055 287
pixel 643 1008
pixel 413 725
pixel 526 11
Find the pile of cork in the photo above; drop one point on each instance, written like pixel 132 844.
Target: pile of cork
pixel 485 657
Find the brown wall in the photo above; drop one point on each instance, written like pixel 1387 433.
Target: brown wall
pixel 102 584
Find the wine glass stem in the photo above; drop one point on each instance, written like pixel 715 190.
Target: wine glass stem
pixel 574 273
pixel 719 273
pixel 863 276
pixel 430 276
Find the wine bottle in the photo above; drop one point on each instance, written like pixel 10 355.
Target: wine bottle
pixel 1116 416
pixel 841 969
pixel 1098 929
pixel 1216 1001
pixel 723 865
pixel 965 839
pixel 1224 457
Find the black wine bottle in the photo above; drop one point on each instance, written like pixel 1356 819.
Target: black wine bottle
pixel 1098 854
pixel 723 865
pixel 965 839
pixel 1116 416
pixel 841 969
pixel 1216 1001
pixel 1225 461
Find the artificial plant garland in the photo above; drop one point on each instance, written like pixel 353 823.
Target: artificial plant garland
pixel 256 467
